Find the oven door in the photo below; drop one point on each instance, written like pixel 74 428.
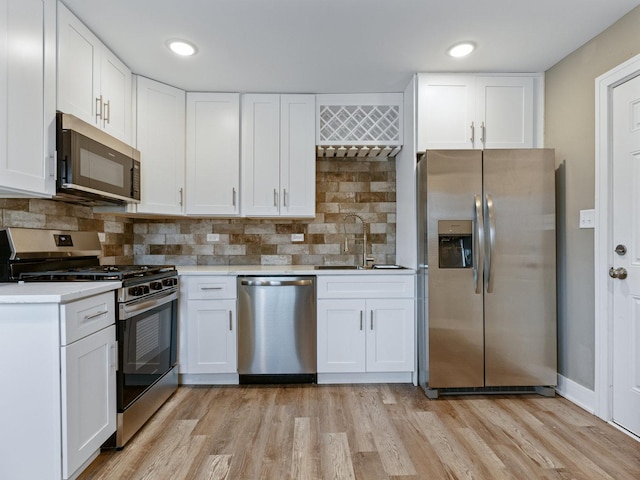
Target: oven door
pixel 147 344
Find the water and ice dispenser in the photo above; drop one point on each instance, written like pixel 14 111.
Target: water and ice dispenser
pixel 455 244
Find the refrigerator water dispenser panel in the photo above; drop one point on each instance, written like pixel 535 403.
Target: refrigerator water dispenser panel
pixel 454 244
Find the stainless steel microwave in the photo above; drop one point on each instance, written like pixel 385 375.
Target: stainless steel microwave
pixel 93 167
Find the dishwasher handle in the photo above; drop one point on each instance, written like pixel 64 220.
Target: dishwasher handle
pixel 276 283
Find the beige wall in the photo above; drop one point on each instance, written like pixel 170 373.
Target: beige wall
pixel 570 129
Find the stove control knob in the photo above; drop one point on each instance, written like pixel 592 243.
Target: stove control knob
pixel 170 282
pixel 156 285
pixel 135 291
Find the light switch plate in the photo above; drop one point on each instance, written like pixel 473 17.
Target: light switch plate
pixel 587 218
pixel 213 237
pixel 297 237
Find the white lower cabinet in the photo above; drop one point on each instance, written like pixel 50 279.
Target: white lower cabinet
pixel 58 404
pixel 88 397
pixel 362 332
pixel 207 329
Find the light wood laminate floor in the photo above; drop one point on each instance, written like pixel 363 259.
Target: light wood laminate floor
pixel 368 432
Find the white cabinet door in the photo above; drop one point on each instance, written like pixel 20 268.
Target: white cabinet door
pixel 160 133
pixel 297 156
pixel 260 155
pixel 278 155
pixel 211 336
pixel 504 108
pixel 78 70
pixel 27 97
pixel 115 88
pixel 92 83
pixel 341 336
pixel 390 335
pixel 213 154
pixel 88 397
pixel 446 114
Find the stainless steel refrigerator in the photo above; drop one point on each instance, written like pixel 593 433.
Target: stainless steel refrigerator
pixel 487 270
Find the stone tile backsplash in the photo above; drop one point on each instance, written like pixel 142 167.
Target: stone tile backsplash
pixel 117 247
pixel 342 187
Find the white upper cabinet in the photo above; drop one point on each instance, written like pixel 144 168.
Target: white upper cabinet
pixel 27 97
pixel 160 111
pixel 93 84
pixel 213 154
pixel 477 111
pixel 278 155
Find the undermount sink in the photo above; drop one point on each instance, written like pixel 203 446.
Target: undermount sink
pixel 339 267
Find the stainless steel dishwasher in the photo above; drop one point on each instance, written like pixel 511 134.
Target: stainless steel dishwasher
pixel 277 329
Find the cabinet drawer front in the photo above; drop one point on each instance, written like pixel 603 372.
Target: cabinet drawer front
pixel 86 316
pixel 361 286
pixel 211 287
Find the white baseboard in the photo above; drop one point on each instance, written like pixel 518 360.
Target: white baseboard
pixel 576 393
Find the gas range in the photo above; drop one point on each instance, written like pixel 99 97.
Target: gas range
pixel 59 256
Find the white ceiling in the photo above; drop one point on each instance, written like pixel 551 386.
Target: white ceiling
pixel 339 46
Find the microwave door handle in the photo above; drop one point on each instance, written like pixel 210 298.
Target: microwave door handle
pixel 478 245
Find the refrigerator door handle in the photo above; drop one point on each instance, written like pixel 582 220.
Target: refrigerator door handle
pixel 478 245
pixel 491 231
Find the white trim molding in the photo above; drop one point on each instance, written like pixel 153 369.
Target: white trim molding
pixel 576 393
pixel 603 242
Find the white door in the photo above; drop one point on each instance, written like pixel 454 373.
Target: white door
pixel 260 155
pixel 213 153
pixel 161 140
pixel 298 155
pixel 504 112
pixel 88 397
pixel 212 340
pixel 390 335
pixel 626 233
pixel 341 336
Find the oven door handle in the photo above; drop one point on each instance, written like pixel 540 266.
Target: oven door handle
pixel 131 309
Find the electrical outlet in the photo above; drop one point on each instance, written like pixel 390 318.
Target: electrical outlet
pixel 213 237
pixel 102 236
pixel 587 218
pixel 297 237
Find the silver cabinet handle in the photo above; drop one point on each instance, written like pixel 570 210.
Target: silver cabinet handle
pixel 230 321
pixel 114 356
pixel 233 196
pixel 372 320
pixel 181 196
pixel 107 112
pixel 275 197
pixel 99 107
pixel 361 320
pixel 473 133
pixel 284 197
pixel 483 130
pixel 478 245
pixel 491 227
pixel 96 315
pixel 211 288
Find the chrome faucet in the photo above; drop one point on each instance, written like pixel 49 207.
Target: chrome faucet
pixel 365 259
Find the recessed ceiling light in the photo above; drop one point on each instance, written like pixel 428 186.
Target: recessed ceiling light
pixel 462 49
pixel 181 47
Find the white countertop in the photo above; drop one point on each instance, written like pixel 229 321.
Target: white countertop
pixel 52 292
pixel 283 270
